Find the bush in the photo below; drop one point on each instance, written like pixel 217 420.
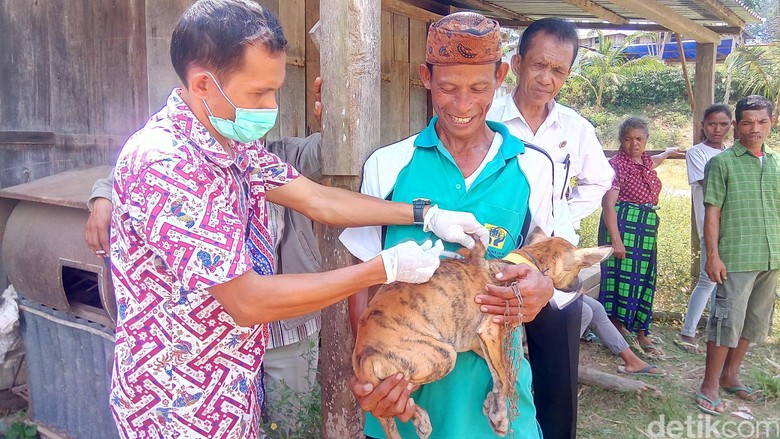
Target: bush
pixel 576 93
pixel 663 86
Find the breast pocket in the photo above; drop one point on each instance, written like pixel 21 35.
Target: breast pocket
pixel 504 229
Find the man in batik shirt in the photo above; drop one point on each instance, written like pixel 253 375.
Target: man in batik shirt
pixel 191 253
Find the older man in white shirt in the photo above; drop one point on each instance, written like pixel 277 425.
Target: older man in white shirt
pixel 546 53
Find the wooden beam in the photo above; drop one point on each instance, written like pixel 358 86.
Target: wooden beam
pixel 598 11
pixel 312 66
pixel 657 12
pixel 724 13
pixel 703 83
pixel 704 96
pixel 499 11
pixel 684 65
pixel 410 11
pixel 645 27
pixel 348 35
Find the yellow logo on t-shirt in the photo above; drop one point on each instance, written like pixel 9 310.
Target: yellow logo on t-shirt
pixel 496 236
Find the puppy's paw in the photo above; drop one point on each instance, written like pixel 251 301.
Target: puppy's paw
pixel 495 410
pixel 422 423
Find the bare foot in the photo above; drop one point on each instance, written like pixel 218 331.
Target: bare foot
pixel 687 339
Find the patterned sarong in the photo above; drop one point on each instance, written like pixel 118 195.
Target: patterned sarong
pixel 628 285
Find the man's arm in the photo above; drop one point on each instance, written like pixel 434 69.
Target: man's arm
pixel 343 208
pixel 251 299
pixel 715 177
pixel 302 153
pixel 715 267
pixel 593 180
pixel 99 204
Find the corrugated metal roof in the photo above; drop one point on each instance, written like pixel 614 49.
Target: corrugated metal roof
pixel 699 11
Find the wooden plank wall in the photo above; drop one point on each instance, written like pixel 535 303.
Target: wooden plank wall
pixel 405 108
pixel 91 73
pixel 74 69
pixel 404 98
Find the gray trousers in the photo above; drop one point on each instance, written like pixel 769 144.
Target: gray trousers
pixel 593 314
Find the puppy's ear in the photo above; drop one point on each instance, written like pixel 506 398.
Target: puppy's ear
pixel 592 256
pixel 537 235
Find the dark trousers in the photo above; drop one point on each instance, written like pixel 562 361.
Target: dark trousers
pixel 553 351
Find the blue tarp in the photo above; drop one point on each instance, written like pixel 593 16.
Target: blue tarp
pixel 671 52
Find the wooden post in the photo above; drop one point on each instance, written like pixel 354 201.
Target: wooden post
pixel 349 35
pixel 704 96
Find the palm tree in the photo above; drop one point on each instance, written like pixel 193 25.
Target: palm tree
pixel 759 68
pixel 608 65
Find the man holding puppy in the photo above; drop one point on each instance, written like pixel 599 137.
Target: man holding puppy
pixel 460 162
pixel 191 252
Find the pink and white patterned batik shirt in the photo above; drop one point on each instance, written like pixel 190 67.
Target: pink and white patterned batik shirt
pixel 186 217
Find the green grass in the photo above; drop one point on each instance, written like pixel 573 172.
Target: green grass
pixel 610 414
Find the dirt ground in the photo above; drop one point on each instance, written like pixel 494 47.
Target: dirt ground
pixel 604 414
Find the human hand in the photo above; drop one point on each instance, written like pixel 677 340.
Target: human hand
pixel 96 229
pixel 535 289
pixel 674 152
pixel 618 249
pixel 389 398
pixel 412 263
pixel 716 269
pixel 318 99
pixel 453 226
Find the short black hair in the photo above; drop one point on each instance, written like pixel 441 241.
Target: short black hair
pixel 214 34
pixel 751 103
pixel 561 29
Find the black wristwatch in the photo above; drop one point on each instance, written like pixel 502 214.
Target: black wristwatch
pixel 418 204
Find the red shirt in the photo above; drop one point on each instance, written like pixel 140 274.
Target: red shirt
pixel 637 183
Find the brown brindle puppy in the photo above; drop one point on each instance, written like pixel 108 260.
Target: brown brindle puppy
pixel 417 329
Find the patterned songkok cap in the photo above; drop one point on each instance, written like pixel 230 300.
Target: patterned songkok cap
pixel 463 38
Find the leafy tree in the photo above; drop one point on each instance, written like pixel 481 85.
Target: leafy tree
pixel 759 70
pixel 607 65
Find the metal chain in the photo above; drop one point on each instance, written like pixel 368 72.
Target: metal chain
pixel 513 351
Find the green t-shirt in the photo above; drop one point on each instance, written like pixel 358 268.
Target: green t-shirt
pixel 498 197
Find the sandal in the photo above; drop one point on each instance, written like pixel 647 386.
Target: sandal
pixel 645 371
pixel 714 403
pixel 688 347
pixel 655 339
pixel 749 394
pixel 589 336
pixel 653 351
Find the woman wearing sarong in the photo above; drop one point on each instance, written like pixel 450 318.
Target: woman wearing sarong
pixel 629 223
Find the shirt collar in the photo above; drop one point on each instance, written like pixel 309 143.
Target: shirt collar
pixel 510 147
pixel 647 161
pixel 739 149
pixel 512 112
pixel 184 120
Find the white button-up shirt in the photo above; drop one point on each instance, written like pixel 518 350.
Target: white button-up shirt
pixel 571 142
